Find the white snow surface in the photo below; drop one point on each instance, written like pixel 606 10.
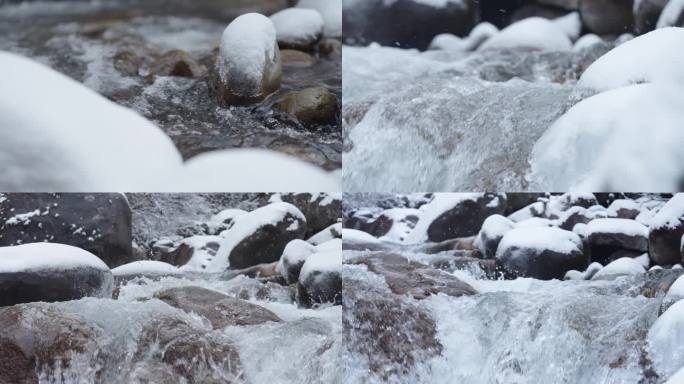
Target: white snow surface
pixel 328 261
pixel 619 204
pixel 666 341
pixel 676 291
pixel 297 25
pixel 534 33
pixel 493 226
pixel 58 135
pixel 571 24
pixel 46 256
pixel 146 267
pixel 400 226
pixel 617 226
pixel 671 214
pixel 479 34
pixel 540 238
pixel 247 45
pixel 201 255
pixel 652 57
pixel 245 226
pixel 355 236
pixel 326 234
pixel 330 10
pixel 670 14
pixel 624 139
pixel 677 378
pixel 440 203
pixel 296 251
pixel 534 222
pixel 225 215
pixel 622 266
pixel 586 41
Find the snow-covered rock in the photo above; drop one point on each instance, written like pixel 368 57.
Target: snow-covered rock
pixel 672 15
pixel 294 255
pixel 610 239
pixel 571 24
pixel 334 231
pixel 402 221
pixel 620 267
pixel 51 272
pixel 578 215
pixel 649 58
pixel 193 253
pixel 248 65
pixel 454 215
pixel 586 41
pixel 533 33
pixel 450 42
pixel 540 252
pixel 77 137
pixel 591 270
pixel 320 279
pixel 223 220
pixel 666 341
pixel 624 209
pixel 675 293
pixel 624 139
pixel 493 230
pixel 533 222
pixel 259 237
pixel 666 231
pixel 145 268
pixel 330 10
pixel 298 28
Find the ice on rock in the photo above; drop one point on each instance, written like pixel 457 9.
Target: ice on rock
pixel 248 170
pixel 620 267
pixel 671 14
pixel 666 341
pixel 298 28
pixel 623 139
pixel 653 57
pixel 57 135
pixel 586 41
pixel 331 10
pixel 534 33
pixel 147 268
pixel 446 133
pixel 248 63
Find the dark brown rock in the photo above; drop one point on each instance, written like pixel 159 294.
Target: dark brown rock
pixel 177 63
pixel 607 17
pixel 298 59
pixel 321 210
pixel 466 218
pixel 312 106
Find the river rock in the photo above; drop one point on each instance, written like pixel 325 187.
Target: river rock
pixel 609 239
pixel 221 310
pixel 312 106
pixel 330 10
pixel 451 216
pixel 299 59
pixel 320 209
pixel 576 215
pixel 623 266
pixel 295 254
pixel 334 231
pixel 493 230
pixel 607 17
pixel 249 67
pixel 407 23
pixel 177 63
pixel 261 236
pixel 646 14
pixel 543 253
pixel 196 252
pixel 666 231
pixel 51 272
pixel 624 209
pixel 298 28
pixel 37 337
pixel 98 223
pixel 145 268
pixel 320 279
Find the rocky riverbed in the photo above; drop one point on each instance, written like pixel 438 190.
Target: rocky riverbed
pixel 159 58
pixel 521 288
pixel 175 288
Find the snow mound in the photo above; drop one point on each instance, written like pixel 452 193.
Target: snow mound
pixel 356 236
pixel 146 267
pixel 331 10
pixel 666 341
pixel 294 25
pixel 625 139
pixel 42 256
pixel 540 238
pixel 652 57
pixel 586 41
pixel 249 170
pixel 571 24
pixel 671 214
pixel 479 34
pixel 326 235
pixel 670 14
pixel 617 226
pixel 620 267
pixel 532 33
pixel 58 135
pixel 329 261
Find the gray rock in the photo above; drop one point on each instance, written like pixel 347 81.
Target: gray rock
pixel 607 17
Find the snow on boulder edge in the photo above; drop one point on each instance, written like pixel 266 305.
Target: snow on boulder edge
pixel 51 272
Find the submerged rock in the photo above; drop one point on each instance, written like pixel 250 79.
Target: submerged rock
pixel 249 67
pixel 312 106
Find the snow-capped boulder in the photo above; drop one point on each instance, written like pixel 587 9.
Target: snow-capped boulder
pixel 406 23
pixel 320 209
pixel 334 231
pixel 193 253
pixel 591 270
pixel 540 252
pixel 51 272
pixel 453 215
pixel 607 17
pixel 666 341
pixel 586 41
pixel 649 58
pixel 223 220
pixel 401 223
pixel 356 240
pixel 248 65
pixel 320 279
pixel 666 231
pixel 145 268
pixel 493 230
pixel 672 15
pixel 259 170
pixel 98 223
pixel 536 209
pixel 621 267
pixel 675 293
pixel 534 222
pixel 259 237
pixel 571 24
pixel 69 125
pixel 610 239
pixel 294 255
pixel 577 215
pixel 633 146
pixel 646 14
pixel 624 209
pixel 533 33
pixel 298 28
pixel 330 10
pixel 219 309
pixel 450 42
